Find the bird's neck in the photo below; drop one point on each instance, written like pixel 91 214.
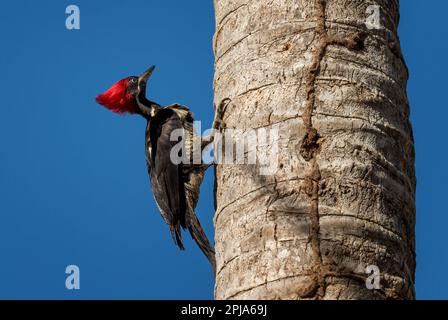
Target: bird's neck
pixel 147 107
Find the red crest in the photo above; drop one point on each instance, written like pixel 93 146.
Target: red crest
pixel 117 99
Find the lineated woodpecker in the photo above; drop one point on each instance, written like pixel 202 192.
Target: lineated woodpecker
pixel 175 186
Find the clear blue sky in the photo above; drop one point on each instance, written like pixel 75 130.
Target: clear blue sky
pixel 73 183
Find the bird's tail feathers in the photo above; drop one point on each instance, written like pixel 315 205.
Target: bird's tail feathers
pixel 177 237
pixel 198 235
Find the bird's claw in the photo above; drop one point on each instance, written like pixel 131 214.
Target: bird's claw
pixel 220 111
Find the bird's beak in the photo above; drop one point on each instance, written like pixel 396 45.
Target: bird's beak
pixel 145 76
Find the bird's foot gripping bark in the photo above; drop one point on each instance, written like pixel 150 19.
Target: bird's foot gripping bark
pixel 217 122
pixel 219 114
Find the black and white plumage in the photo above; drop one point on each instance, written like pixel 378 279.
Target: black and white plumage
pixel 175 186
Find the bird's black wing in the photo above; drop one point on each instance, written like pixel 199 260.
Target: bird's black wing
pixel 166 176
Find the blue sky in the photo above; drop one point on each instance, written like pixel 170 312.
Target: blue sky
pixel 73 183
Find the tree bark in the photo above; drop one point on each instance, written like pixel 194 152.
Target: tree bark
pixel 342 197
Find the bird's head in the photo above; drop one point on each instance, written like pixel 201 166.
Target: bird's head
pixel 124 95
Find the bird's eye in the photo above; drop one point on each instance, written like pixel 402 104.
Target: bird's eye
pixel 133 80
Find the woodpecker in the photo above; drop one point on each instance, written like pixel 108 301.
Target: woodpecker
pixel 175 186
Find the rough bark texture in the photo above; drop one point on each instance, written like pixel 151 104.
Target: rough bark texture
pixel 343 195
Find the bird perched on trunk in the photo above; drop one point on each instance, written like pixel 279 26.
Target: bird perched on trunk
pixel 175 185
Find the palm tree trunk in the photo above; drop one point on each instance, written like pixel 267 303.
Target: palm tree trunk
pixel 330 92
